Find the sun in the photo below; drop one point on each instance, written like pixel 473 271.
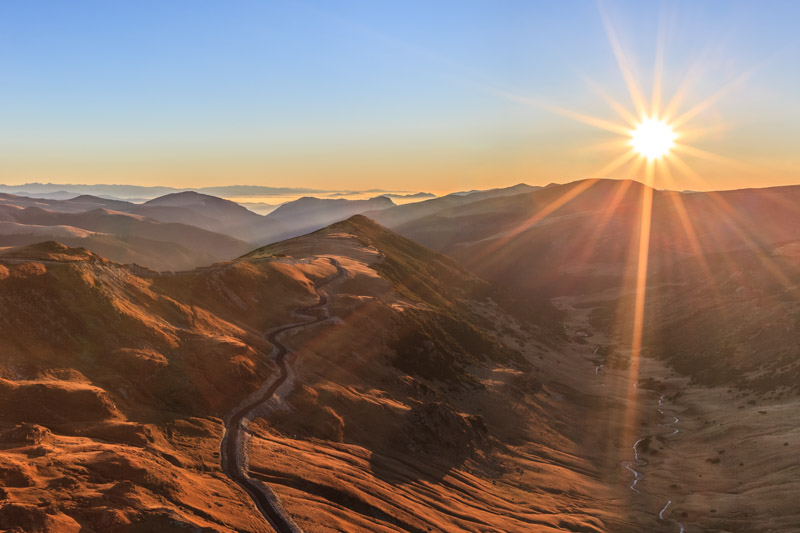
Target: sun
pixel 654 131
pixel 653 138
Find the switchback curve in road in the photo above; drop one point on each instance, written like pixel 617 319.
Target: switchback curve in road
pixel 233 443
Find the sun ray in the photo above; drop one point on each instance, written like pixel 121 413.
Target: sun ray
pixel 689 230
pixel 608 212
pixel 615 164
pixel 635 167
pixel 630 81
pixel 574 115
pixel 641 265
pixel 681 92
pixel 621 110
pixel 592 121
pixel 740 226
pixel 708 102
pixel 683 218
pixel 617 145
pixel 658 70
pixel 575 191
pixel 639 251
pixel 685 169
pixel 697 133
pixel 710 156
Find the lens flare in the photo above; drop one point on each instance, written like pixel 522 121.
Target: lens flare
pixel 653 138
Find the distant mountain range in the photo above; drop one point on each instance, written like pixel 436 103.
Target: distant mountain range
pixel 55 191
pixel 179 230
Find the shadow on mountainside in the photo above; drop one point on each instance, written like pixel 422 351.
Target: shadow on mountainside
pixel 433 440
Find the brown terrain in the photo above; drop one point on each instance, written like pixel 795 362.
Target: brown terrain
pixel 719 334
pixel 178 231
pixel 124 237
pixel 370 384
pixel 411 409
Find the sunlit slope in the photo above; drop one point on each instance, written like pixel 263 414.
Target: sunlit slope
pixel 424 405
pixel 436 397
pixel 114 381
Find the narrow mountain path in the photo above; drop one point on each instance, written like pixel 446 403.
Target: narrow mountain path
pixel 234 443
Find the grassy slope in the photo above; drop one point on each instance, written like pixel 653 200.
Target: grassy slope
pixel 402 419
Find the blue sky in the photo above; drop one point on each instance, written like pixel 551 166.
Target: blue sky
pixel 377 94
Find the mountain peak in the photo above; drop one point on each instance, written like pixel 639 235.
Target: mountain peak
pixel 224 210
pixel 325 208
pixel 94 199
pixel 356 222
pixel 187 198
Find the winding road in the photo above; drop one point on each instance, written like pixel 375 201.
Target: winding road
pixel 234 444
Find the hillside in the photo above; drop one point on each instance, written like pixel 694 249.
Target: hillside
pixel 394 216
pixel 117 379
pixel 209 212
pixel 716 392
pixel 308 213
pixel 156 254
pixel 580 236
pixel 123 237
pixel 422 391
pixel 581 240
pixel 121 379
pixel 196 213
pixel 366 382
pixel 71 204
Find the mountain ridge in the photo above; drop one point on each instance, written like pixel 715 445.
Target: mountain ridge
pixel 192 344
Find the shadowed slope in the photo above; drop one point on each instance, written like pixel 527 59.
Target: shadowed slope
pixel 412 409
pixel 578 236
pixel 394 216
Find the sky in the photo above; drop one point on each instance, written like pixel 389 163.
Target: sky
pixel 419 96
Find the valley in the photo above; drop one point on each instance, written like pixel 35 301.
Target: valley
pixel 351 379
pixel 723 467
